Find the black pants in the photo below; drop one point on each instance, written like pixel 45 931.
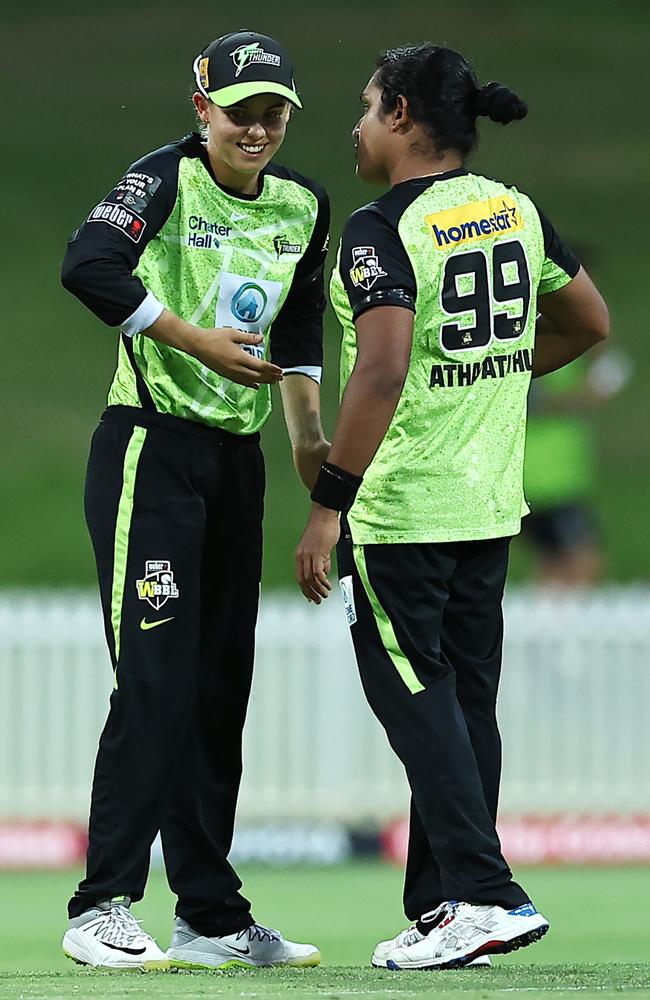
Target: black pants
pixel 427 638
pixel 174 511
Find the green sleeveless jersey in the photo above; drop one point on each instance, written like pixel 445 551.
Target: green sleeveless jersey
pixel 169 236
pixel 469 256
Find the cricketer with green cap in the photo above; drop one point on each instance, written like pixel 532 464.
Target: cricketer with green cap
pixel 209 257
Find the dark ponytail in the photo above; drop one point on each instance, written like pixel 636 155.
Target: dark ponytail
pixel 444 94
pixel 499 104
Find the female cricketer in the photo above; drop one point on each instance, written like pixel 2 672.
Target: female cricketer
pixel 208 258
pixel 437 286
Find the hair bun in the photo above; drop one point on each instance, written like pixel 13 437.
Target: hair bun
pixel 499 104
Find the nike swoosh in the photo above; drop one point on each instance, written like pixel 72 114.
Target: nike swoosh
pixel 127 951
pixel 242 951
pixel 145 625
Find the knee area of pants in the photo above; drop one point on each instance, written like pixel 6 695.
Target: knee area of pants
pixel 149 702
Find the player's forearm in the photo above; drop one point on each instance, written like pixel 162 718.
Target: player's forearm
pixel 175 332
pixel 309 447
pixel 555 348
pixel 308 460
pixel 574 318
pixel 301 404
pixel 367 409
pixel 219 349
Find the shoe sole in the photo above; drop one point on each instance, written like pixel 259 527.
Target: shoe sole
pixel 505 947
pixel 472 964
pixel 310 962
pixel 176 963
pixel 151 966
pixel 495 947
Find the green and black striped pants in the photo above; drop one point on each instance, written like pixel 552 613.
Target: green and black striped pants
pixel 174 510
pixel 427 629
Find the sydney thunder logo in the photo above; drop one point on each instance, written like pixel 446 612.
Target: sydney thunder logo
pixel 246 55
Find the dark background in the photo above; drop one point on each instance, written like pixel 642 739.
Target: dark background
pixel 89 88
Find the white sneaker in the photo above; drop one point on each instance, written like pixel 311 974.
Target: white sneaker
pixel 254 947
pixel 109 937
pixel 412 935
pixel 468 932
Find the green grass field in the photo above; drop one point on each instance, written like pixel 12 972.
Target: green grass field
pixel 599 941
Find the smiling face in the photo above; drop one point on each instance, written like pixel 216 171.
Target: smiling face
pixel 244 137
pixel 373 137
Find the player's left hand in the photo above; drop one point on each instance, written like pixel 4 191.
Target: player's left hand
pixel 313 561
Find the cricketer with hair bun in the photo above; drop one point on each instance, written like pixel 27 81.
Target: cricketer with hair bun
pixel 437 286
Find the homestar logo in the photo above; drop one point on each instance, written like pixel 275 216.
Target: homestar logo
pixel 249 302
pixel 246 55
pixel 475 221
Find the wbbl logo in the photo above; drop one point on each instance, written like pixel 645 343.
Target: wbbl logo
pixel 157 585
pixel 366 269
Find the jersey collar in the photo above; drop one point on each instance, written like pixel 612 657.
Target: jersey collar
pixel 194 147
pixel 429 179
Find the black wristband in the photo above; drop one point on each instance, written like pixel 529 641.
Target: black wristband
pixel 335 488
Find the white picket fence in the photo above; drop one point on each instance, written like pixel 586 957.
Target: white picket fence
pixel 574 710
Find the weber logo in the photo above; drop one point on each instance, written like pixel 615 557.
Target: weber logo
pixel 121 218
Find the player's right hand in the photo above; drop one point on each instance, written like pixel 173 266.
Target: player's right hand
pixel 221 350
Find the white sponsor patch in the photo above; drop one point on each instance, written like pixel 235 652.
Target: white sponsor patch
pixel 248 304
pixel 347 593
pixel 366 268
pixel 130 223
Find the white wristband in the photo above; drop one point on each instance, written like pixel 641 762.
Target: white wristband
pixel 144 316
